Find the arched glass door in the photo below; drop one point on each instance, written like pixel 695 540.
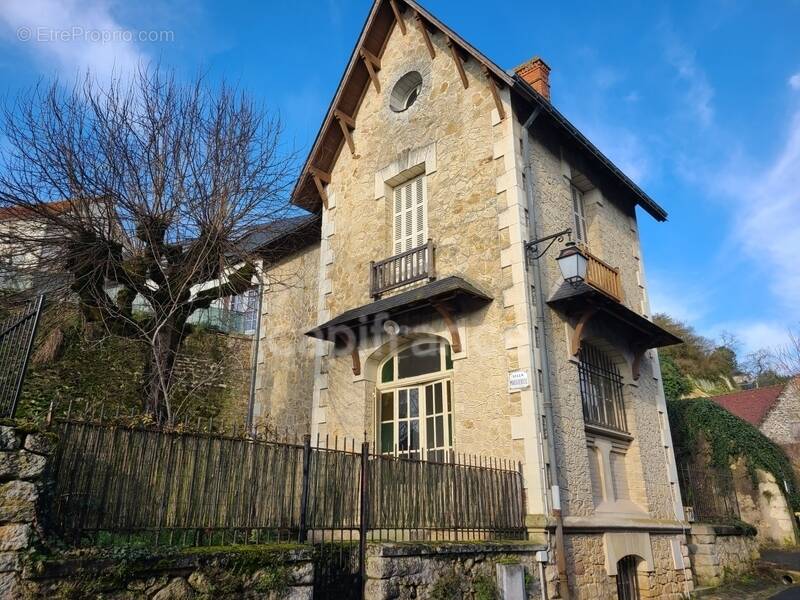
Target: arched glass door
pixel 415 404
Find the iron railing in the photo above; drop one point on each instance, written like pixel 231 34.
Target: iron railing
pixel 402 269
pixel 157 486
pixel 601 390
pixel 709 491
pixel 17 333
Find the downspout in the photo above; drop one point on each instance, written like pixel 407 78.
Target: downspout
pixel 251 404
pixel 554 502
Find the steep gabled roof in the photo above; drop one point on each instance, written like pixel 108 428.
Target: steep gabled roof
pixel 753 405
pixel 341 116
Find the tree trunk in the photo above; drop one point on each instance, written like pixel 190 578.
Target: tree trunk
pixel 159 367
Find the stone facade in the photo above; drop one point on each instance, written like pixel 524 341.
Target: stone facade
pixel 782 423
pixel 719 551
pixel 491 186
pixel 284 378
pixel 413 570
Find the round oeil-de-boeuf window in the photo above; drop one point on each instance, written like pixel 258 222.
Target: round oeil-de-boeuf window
pixel 406 91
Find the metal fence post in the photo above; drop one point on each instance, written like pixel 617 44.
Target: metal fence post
pixel 303 534
pixel 363 514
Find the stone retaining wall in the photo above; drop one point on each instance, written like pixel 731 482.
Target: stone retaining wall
pixel 719 551
pixel 23 459
pixel 254 572
pixel 404 570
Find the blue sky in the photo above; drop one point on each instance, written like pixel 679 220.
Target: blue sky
pixel 699 102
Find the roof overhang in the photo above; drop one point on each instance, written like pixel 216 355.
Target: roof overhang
pixel 342 111
pixel 582 299
pixel 353 325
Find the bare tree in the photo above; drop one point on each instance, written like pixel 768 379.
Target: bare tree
pixel 788 356
pixel 160 186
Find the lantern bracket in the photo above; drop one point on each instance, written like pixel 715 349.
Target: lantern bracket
pixel 532 248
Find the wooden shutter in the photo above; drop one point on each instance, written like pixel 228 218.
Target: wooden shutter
pixel 580 219
pixel 410 215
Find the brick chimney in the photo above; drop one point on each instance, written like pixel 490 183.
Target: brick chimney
pixel 537 73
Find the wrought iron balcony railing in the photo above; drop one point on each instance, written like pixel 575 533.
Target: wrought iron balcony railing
pixel 408 267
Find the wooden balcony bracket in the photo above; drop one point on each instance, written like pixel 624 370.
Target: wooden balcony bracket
pixel 459 62
pixel 577 331
pixel 398 18
pixel 345 340
pixel 636 365
pixel 347 123
pixel 426 35
pixel 321 177
pixel 495 93
pixel 373 64
pixel 455 338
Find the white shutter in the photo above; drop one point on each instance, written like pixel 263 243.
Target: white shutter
pixel 410 215
pixel 580 219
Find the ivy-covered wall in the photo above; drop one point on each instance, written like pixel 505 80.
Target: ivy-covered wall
pixel 700 422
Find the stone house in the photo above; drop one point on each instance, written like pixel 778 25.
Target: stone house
pixel 424 318
pixel 774 410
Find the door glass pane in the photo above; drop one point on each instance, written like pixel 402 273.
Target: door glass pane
pixel 403 435
pixel 387 373
pixel 429 399
pixel 387 406
pixel 430 439
pixel 387 437
pixel 413 402
pixel 438 392
pixel 439 431
pixel 414 435
pixel 403 404
pixel 419 359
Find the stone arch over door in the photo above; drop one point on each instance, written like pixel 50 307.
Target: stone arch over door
pixel 619 545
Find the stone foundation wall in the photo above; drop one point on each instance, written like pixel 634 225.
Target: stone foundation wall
pixel 589 578
pixel 762 504
pixel 719 551
pixel 253 572
pixel 404 570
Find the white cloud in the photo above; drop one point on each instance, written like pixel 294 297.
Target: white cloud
pixel 697 93
pixel 794 81
pixel 72 35
pixel 767 217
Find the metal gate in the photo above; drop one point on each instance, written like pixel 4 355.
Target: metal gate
pixel 16 342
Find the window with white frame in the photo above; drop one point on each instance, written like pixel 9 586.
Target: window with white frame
pixel 415 404
pixel 410 214
pixel 579 215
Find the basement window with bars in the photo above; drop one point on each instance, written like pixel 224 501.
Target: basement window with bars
pixel 601 390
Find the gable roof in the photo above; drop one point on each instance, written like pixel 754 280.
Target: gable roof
pixel 342 111
pixel 751 405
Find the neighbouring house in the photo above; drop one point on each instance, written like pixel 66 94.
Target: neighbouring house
pixel 419 319
pixel 774 410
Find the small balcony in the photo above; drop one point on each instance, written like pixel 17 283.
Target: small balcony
pixel 411 266
pixel 602 276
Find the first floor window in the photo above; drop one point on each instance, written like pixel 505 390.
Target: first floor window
pixel 601 389
pixel 415 405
